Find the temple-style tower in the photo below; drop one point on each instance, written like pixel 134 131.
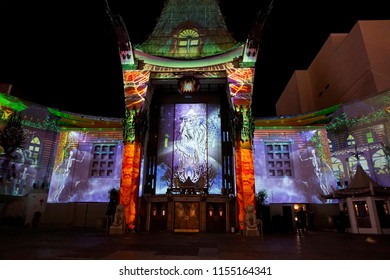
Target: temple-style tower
pixel 188 159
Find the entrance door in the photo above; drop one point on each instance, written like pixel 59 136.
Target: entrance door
pixel 186 217
pixel 216 217
pixel 288 218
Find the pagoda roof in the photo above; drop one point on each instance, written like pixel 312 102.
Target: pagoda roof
pixel 204 17
pixel 361 185
pixel 167 62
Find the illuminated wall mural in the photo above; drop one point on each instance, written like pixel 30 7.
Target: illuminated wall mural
pixel 26 169
pixel 293 166
pixel 85 167
pixel 189 147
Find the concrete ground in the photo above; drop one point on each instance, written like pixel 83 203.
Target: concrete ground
pixel 44 243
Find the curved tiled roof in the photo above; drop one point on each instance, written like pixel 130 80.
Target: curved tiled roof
pixel 361 185
pixel 204 16
pixel 320 117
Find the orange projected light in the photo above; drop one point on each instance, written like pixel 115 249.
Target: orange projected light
pixel 245 182
pixel 136 85
pixel 241 75
pixel 128 193
pixel 241 83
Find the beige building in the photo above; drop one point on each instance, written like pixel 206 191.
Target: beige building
pixel 349 67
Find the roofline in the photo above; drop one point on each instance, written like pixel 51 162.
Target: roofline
pixel 193 63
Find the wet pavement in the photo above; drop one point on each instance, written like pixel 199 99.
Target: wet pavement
pixel 47 243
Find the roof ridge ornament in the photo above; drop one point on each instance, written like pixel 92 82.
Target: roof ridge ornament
pixel 252 45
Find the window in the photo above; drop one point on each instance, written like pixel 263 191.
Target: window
pixel 370 137
pixel 338 169
pixel 279 162
pixel 351 141
pixel 352 165
pixel 188 42
pixel 34 148
pixel 381 166
pixel 103 160
pixel 330 144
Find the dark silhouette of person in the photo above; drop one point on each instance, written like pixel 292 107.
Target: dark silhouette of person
pixel 301 221
pixel 341 222
pixel 36 219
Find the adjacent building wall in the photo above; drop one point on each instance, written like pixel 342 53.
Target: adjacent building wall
pixel 348 67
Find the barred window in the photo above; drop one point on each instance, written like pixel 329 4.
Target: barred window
pixel 103 162
pixel 279 161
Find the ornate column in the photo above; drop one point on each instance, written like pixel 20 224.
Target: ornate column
pixel 135 127
pixel 241 88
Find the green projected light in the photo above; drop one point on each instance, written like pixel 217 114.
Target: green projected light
pixel 203 62
pixel 7 101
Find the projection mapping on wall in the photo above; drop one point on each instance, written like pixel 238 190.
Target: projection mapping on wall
pixel 189 152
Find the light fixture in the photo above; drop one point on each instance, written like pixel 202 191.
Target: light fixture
pixel 220 210
pixel 188 85
pixel 154 210
pixel 211 210
pixel 163 211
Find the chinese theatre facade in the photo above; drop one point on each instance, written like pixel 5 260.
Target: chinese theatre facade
pixel 189 156
pixel 188 132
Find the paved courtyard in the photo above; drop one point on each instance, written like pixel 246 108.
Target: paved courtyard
pixel 45 243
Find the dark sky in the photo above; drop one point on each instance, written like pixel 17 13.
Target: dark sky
pixel 63 53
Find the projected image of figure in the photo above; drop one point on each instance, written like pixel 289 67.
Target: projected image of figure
pixel 191 145
pixel 23 177
pixel 63 171
pixel 190 152
pixel 318 168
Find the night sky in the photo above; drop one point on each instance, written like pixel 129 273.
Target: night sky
pixel 63 54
